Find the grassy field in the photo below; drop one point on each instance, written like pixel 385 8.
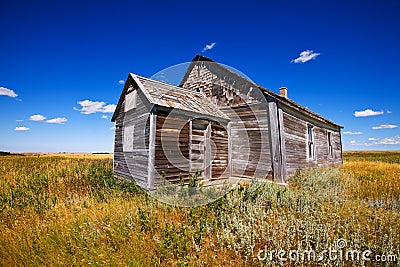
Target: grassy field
pixel 72 211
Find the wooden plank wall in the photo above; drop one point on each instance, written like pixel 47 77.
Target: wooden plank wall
pixel 220 86
pixel 199 128
pixel 276 146
pixel 173 143
pixel 119 165
pixel 296 143
pixel 219 153
pixel 321 146
pixel 337 147
pixel 250 141
pixel 323 157
pixel 172 148
pixel 132 164
pixel 247 108
pixel 288 135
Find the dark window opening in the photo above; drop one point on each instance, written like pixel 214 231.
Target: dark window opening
pixel 330 148
pixel 311 146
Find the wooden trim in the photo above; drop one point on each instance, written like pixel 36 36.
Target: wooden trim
pixel 193 115
pixel 207 154
pixel 308 119
pixel 313 157
pixel 190 144
pixel 341 147
pixel 282 146
pixel 152 145
pixel 276 157
pixel 229 150
pixel 331 153
pixel 121 98
pixel 130 81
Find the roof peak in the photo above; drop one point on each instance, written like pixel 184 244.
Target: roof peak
pixel 199 57
pixel 166 84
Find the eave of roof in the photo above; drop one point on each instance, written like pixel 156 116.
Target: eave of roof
pixel 187 101
pixel 172 96
pixel 121 97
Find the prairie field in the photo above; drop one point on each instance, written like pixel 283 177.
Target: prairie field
pixel 71 210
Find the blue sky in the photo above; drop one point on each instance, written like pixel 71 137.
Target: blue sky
pixel 63 60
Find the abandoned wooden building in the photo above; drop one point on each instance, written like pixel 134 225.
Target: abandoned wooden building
pixel 219 123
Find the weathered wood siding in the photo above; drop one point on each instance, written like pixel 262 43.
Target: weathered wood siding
pixel 250 142
pixel 132 164
pixel 247 107
pixel 172 148
pixel 337 147
pixel 222 87
pixel 296 143
pixel 180 150
pixel 198 141
pixel 219 152
pixel 266 136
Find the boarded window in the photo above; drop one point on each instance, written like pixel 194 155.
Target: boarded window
pixel 128 138
pixel 330 148
pixel 311 145
pixel 130 100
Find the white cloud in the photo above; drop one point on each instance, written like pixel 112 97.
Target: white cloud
pixel 121 81
pixel 367 113
pixel 37 117
pixel 104 117
pixel 90 107
pixel 19 120
pixel 57 120
pixel 109 108
pixel 305 56
pixel 384 126
pixel 395 140
pixel 7 92
pixel 208 47
pixel 112 128
pixel 389 112
pixel 21 128
pixel 352 132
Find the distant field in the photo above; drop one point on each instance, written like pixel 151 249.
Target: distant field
pixel 385 156
pixel 70 210
pixel 63 155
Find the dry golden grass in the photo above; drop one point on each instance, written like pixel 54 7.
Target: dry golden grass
pixel 72 211
pixel 70 155
pixel 377 180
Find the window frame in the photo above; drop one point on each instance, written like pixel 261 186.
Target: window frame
pixel 310 142
pixel 131 100
pixel 128 138
pixel 330 147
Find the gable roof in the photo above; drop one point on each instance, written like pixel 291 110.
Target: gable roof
pixel 281 99
pixel 170 96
